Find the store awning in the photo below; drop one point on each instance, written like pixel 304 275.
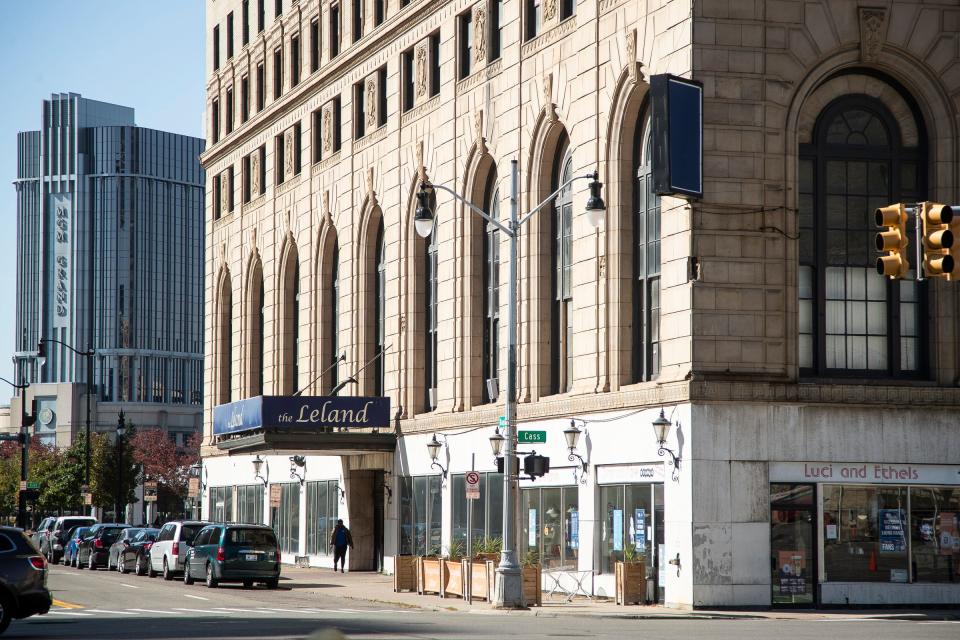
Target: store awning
pixel 298 425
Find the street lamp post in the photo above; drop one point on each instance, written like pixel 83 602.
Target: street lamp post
pixel 89 353
pixel 508 592
pixel 121 430
pixel 24 440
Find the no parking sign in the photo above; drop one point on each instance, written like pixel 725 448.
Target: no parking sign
pixel 473 485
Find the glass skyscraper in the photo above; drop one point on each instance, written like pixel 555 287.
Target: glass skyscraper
pixel 110 254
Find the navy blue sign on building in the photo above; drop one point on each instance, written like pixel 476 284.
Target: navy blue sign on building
pixel 301 412
pixel 676 125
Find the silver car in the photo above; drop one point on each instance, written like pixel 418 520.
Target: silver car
pixel 169 552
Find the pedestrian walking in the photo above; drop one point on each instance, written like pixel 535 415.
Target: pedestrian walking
pixel 340 540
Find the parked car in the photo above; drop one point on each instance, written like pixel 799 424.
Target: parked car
pixel 51 545
pixel 74 537
pixel 23 578
pixel 137 554
pixel 41 530
pixel 93 550
pixel 123 541
pixel 234 553
pixel 168 552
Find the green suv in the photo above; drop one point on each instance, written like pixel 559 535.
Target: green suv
pixel 244 553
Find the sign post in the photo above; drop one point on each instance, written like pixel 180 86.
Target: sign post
pixel 472 487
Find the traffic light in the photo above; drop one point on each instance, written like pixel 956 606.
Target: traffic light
pixel 536 466
pixel 892 241
pixel 954 251
pixel 937 239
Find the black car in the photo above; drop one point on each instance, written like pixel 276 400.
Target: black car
pixel 136 554
pixel 123 541
pixel 23 578
pixel 93 550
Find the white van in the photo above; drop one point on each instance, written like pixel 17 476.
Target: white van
pixel 168 553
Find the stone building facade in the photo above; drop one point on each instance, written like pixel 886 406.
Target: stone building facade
pixel 752 316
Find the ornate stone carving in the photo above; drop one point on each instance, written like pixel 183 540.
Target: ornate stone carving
pixel 225 187
pixel 479 34
pixel 549 10
pixel 326 203
pixel 602 265
pixel 326 131
pixel 421 169
pixel 373 108
pixel 288 154
pixel 631 45
pixel 370 190
pixel 255 187
pixel 873 27
pixel 478 131
pixel 421 74
pixel 548 97
pixel 402 321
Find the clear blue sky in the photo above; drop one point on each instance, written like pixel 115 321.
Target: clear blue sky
pixel 141 54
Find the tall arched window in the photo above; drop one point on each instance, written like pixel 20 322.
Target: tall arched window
pixel 256 351
pixel 289 325
pixel 646 261
pixel 491 288
pixel 852 320
pixel 224 340
pixel 380 299
pixel 430 322
pixel 561 317
pixel 333 317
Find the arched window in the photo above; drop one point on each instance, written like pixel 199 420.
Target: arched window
pixel 289 334
pixel 430 321
pixel 224 340
pixel 561 317
pixel 646 261
pixel 256 357
pixel 380 298
pixel 491 288
pixel 853 321
pixel 333 317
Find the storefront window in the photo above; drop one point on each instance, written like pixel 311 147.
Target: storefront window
pixel 221 504
pixel 935 533
pixel 250 504
pixel 626 522
pixel 420 513
pixel 323 502
pixel 286 518
pixel 551 525
pixel 865 534
pixel 792 561
pixel 487 515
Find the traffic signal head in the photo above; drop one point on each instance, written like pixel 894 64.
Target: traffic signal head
pixel 937 239
pixel 954 251
pixel 892 241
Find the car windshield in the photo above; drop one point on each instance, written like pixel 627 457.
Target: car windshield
pixel 75 522
pixel 111 535
pixel 81 532
pixel 146 534
pixel 189 531
pixel 253 537
pixel 130 534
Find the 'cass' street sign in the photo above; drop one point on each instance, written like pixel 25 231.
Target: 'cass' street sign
pixel 524 437
pixel 299 412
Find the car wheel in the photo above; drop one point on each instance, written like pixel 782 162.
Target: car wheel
pixel 6 612
pixel 167 574
pixel 150 572
pixel 272 584
pixel 109 564
pixel 187 580
pixel 211 581
pixel 121 564
pixel 139 567
pixel 90 564
pixel 247 584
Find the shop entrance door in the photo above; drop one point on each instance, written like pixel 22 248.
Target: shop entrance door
pixel 792 545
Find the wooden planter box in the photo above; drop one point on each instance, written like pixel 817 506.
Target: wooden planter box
pixel 455 576
pixel 430 575
pixel 532 594
pixel 631 582
pixel 481 579
pixel 405 573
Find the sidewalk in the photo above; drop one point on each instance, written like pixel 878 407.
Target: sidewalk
pixel 373 587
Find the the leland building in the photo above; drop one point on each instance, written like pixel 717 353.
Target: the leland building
pixel 109 260
pixel 813 403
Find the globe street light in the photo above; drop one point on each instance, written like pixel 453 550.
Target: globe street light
pixel 508 592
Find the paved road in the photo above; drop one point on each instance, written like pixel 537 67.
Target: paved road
pixel 108 605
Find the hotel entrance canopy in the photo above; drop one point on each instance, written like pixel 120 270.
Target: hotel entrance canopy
pixel 297 425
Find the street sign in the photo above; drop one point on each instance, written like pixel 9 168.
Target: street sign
pixel 87 498
pixel 473 485
pixel 24 485
pixel 275 495
pixel 526 437
pixel 503 422
pixel 150 485
pixel 193 488
pixel 150 497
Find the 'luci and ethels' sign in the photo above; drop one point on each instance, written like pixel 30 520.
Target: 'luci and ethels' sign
pixel 299 412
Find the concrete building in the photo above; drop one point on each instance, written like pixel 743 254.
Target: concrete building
pixel 109 258
pixel 811 402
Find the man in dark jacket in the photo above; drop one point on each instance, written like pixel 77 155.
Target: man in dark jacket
pixel 340 539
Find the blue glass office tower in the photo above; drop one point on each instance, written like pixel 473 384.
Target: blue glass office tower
pixel 110 254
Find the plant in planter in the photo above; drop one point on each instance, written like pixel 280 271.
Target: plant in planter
pixel 431 572
pixel 530 573
pixel 453 584
pixel 486 554
pixel 630 577
pixel 488 549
